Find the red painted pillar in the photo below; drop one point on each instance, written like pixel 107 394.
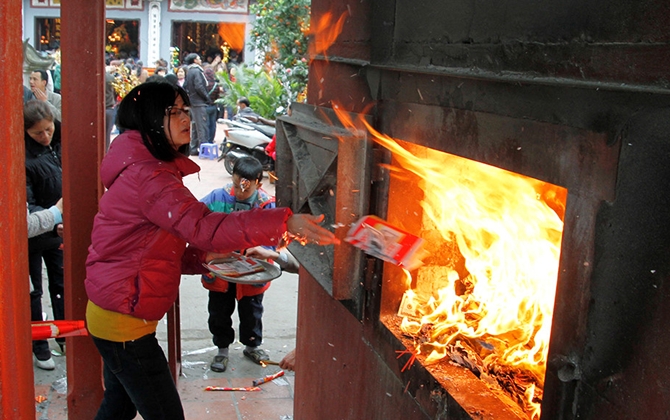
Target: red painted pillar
pixel 17 390
pixel 83 131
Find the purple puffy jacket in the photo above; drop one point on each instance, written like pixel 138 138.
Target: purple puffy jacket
pixel 138 245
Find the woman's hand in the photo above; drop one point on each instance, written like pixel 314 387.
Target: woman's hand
pixel 305 228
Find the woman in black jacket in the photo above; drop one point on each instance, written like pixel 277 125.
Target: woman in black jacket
pixel 44 178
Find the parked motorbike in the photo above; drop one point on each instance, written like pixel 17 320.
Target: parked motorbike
pixel 245 138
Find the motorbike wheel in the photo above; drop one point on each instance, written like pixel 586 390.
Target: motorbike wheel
pixel 224 148
pixel 229 162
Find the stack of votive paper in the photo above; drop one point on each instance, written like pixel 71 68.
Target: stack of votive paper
pixel 378 238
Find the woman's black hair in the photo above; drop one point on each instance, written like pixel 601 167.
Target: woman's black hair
pixel 172 79
pixel 35 111
pixel 248 167
pixel 138 68
pixel 190 59
pixel 43 74
pixel 156 78
pixel 144 108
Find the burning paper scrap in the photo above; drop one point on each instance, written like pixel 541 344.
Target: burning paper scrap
pixel 408 306
pixel 378 238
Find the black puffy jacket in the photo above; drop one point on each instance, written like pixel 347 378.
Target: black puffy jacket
pixel 44 178
pixel 196 86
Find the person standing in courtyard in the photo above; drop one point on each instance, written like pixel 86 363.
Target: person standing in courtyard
pixel 44 181
pixel 38 85
pixel 139 248
pixel 43 221
pixel 196 87
pixel 110 104
pixel 181 76
pixel 214 90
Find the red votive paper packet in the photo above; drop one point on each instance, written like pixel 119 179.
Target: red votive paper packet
pixel 41 330
pixel 378 238
pixel 228 388
pixel 235 265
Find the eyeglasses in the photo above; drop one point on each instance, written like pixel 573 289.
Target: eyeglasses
pixel 173 111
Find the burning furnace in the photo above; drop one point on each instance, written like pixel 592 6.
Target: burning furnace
pixel 529 145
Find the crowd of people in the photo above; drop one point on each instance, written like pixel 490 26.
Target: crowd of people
pixel 150 229
pixel 198 79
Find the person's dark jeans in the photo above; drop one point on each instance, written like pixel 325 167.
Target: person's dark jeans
pixel 250 310
pixel 53 259
pixel 199 133
pixel 212 113
pixel 137 378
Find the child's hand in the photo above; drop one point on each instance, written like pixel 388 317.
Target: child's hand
pixel 288 362
pixel 306 229
pixel 261 253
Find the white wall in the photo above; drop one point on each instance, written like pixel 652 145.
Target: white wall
pixel 30 13
pixel 168 17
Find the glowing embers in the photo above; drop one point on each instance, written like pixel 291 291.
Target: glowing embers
pixel 485 295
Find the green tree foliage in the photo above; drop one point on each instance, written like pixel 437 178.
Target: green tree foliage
pixel 265 93
pixel 279 36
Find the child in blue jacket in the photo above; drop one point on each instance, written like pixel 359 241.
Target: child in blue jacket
pixel 244 193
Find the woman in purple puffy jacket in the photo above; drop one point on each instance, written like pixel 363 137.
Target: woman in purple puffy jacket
pixel 148 231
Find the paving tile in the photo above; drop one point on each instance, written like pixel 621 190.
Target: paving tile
pixel 266 409
pixel 195 389
pixel 195 410
pixel 42 389
pixel 54 408
pixel 274 401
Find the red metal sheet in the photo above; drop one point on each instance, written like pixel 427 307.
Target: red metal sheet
pixel 82 43
pixel 16 370
pixel 338 370
pixel 174 340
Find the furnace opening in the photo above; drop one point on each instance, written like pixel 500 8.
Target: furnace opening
pixel 484 297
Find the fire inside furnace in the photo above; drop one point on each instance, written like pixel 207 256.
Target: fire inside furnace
pixel 484 296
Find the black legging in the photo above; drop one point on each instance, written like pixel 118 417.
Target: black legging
pixel 53 259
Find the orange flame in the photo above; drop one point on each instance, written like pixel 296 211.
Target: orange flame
pixel 508 229
pixel 326 32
